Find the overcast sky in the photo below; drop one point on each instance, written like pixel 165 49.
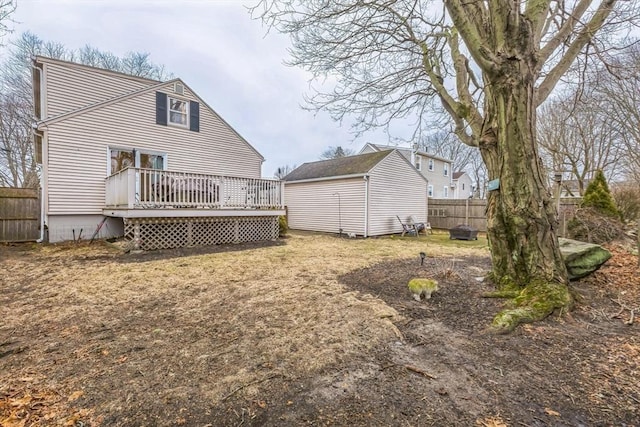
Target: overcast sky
pixel 219 51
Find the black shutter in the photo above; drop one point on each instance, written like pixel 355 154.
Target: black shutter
pixel 161 108
pixel 194 116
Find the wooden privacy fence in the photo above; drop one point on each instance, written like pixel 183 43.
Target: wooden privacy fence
pixel 19 214
pixel 447 213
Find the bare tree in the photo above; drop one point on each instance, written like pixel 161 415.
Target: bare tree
pixel 576 137
pixel 489 64
pixel 283 171
pixel 336 152
pixel 445 144
pixel 7 7
pixel 17 164
pixel 619 87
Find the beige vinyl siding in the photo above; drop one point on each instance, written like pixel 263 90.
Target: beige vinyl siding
pixel 395 188
pixel 437 177
pixel 463 181
pixel 78 150
pixel 313 206
pixel 70 87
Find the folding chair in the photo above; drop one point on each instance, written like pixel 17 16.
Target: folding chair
pixel 419 226
pixel 407 227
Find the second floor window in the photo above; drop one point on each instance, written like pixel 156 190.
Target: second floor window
pixel 446 169
pixel 418 162
pixel 431 164
pixel 178 111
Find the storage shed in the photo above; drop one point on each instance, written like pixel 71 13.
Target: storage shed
pixel 360 194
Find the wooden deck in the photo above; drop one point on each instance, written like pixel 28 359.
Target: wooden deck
pixel 149 193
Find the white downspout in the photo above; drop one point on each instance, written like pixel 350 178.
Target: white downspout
pixel 426 213
pixel 43 142
pixel 41 239
pixel 366 206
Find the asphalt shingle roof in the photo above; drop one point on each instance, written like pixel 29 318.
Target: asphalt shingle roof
pixel 351 165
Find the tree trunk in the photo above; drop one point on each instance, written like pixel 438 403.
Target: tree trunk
pixel 521 216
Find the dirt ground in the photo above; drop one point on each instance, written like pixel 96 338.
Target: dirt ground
pixel 310 330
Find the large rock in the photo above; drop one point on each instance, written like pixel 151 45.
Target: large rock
pixel 582 258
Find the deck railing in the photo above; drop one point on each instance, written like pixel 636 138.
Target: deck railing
pixel 135 188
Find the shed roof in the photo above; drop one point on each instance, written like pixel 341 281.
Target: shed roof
pixel 343 166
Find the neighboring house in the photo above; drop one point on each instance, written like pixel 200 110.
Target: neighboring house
pixel 360 194
pixel 151 157
pixel 436 170
pixel 462 185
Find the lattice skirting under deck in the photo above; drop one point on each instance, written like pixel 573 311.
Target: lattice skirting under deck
pixel 168 233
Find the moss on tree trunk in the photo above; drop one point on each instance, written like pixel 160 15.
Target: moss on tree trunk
pixel 521 217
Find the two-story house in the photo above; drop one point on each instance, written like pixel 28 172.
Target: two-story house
pixel 437 170
pixel 462 185
pixel 144 159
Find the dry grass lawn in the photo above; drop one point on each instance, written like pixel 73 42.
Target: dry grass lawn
pixel 89 334
pixel 310 330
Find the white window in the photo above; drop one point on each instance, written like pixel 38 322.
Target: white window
pixel 446 192
pixel 418 162
pixel 446 169
pixel 430 191
pixel 178 112
pixel 431 164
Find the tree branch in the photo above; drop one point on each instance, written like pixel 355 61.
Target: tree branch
pixel 583 37
pixel 535 12
pixel 477 44
pixel 466 108
pixel 565 30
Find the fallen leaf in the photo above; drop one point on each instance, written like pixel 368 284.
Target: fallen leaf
pixel 122 359
pixel 551 412
pixel 23 401
pixel 491 422
pixel 75 395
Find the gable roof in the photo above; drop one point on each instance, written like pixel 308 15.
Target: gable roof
pixel 406 152
pixel 153 85
pixel 457 175
pixel 349 166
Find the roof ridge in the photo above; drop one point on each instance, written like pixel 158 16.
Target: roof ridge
pixel 358 164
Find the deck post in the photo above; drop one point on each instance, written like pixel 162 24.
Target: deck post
pixel 236 231
pixel 136 235
pixel 222 191
pixel 131 187
pixel 190 233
